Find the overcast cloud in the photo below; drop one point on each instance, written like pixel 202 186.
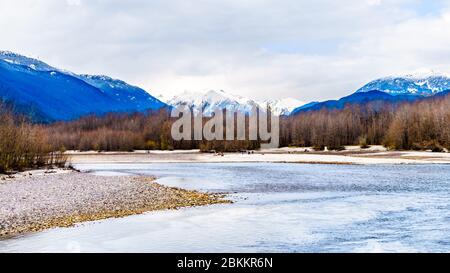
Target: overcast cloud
pixel 310 50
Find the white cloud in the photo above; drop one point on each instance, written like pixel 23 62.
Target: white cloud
pixel 73 2
pixel 258 48
pixel 373 2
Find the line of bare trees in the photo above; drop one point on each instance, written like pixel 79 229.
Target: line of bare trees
pixel 353 125
pixel 128 132
pixel 24 145
pixel 423 125
pixel 420 125
pixel 113 132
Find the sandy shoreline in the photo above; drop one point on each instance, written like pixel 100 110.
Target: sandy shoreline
pixel 31 203
pixel 376 155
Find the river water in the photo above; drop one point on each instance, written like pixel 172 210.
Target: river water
pixel 278 208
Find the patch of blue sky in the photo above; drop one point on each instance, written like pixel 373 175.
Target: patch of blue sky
pixel 430 7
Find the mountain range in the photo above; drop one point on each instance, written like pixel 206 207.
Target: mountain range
pixel 388 90
pixel 48 94
pixel 210 100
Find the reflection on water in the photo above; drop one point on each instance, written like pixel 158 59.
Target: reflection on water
pixel 279 208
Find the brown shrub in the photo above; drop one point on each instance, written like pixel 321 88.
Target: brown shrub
pixel 24 146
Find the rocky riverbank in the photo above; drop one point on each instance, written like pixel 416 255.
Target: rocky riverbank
pixel 35 202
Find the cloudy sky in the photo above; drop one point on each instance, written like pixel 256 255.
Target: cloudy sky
pixel 310 50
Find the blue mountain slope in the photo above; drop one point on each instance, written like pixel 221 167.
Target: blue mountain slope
pixel 306 106
pixel 58 96
pixel 361 98
pixel 123 94
pixel 48 94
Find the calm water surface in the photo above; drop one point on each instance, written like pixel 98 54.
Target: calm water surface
pixel 279 208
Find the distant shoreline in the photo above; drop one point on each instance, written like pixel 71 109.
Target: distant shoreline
pixel 353 155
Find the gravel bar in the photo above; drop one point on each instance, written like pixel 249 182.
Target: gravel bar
pixel 34 203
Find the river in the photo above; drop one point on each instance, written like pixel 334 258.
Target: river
pixel 278 208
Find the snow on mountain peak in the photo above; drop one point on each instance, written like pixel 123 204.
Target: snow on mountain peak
pixel 283 106
pixel 424 74
pixel 113 83
pixel 209 101
pixel 421 83
pixel 18 59
pixel 213 99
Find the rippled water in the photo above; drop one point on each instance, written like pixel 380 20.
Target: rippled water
pixel 279 208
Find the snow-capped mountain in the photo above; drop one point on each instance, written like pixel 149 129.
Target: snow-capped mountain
pixel 49 94
pixel 391 90
pixel 282 106
pixel 421 84
pixel 360 98
pixel 210 100
pixel 14 58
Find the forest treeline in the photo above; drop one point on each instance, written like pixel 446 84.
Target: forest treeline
pixel 128 132
pixel 410 125
pixel 424 124
pixel 420 125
